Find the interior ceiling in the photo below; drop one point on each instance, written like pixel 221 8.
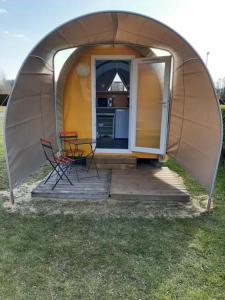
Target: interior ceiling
pixel 195 124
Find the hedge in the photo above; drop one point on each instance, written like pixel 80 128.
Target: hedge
pixel 223 116
pixel 4 99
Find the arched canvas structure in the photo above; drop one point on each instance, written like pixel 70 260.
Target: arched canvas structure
pixel 195 128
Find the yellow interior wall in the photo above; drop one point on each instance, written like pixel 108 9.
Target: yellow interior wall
pixel 77 106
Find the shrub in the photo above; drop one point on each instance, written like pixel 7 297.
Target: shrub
pixel 223 116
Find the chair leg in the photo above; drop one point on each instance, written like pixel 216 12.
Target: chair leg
pixel 46 180
pixel 92 160
pixel 53 170
pixel 76 173
pixel 92 155
pixel 63 173
pixel 58 175
pixel 96 167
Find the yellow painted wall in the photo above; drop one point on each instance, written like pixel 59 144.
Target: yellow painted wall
pixel 77 106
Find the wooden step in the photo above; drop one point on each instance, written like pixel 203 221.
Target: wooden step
pixel 114 162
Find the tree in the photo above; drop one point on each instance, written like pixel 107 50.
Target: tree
pixel 220 89
pixel 5 86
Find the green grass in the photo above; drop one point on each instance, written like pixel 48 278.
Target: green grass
pixel 91 256
pixel 3 177
pixel 2 108
pixel 192 186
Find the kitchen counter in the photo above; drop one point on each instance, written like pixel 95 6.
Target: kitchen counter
pixel 109 109
pixel 113 121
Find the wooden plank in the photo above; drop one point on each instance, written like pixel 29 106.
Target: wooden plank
pixel 114 160
pixel 115 166
pixel 71 196
pixel 115 155
pixel 148 184
pixel 89 188
pixel 152 198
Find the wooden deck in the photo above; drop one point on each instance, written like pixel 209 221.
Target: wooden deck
pixel 145 184
pixel 148 184
pixel 89 187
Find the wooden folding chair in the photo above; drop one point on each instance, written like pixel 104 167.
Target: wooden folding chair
pixel 60 164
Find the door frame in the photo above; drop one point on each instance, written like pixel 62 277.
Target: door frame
pixel 165 105
pixel 93 99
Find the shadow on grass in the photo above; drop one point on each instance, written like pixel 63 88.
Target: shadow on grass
pixel 86 257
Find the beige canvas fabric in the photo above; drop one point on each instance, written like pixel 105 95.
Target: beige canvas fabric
pixel 194 124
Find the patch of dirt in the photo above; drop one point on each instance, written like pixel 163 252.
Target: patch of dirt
pixel 26 205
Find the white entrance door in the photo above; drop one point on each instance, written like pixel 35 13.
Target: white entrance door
pixel 151 92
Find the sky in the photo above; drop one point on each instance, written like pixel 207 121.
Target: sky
pixel 23 23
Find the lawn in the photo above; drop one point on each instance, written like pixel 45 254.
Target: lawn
pixel 90 256
pixel 3 177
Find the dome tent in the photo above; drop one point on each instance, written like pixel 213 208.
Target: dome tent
pixel 194 127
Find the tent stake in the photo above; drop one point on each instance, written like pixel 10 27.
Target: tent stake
pixel 12 196
pixel 209 209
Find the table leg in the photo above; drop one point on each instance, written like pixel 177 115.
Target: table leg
pixel 93 159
